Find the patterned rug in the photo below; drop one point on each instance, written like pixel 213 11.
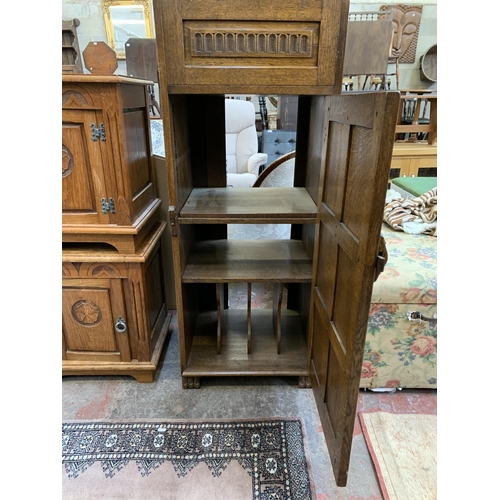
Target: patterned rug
pixel 188 460
pixel 404 452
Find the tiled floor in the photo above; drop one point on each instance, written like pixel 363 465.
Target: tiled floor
pixel 122 397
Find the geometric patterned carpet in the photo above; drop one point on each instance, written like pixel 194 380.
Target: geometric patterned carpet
pixel 261 459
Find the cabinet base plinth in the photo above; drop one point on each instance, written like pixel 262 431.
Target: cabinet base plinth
pixel 141 376
pixel 142 371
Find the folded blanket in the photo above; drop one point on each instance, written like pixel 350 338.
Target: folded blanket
pixel 413 215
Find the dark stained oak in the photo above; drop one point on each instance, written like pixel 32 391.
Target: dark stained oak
pixel 293 47
pixel 211 48
pixel 257 261
pixel 368 44
pixel 247 205
pixel 359 139
pixel 234 358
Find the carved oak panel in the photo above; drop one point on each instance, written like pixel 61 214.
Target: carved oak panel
pixel 251 40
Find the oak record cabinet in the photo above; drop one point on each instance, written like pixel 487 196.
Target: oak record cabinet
pixel 344 145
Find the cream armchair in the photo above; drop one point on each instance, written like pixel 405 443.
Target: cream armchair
pixel 242 157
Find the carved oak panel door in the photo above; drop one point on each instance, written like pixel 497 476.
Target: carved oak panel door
pixel 359 142
pixel 94 320
pixel 83 184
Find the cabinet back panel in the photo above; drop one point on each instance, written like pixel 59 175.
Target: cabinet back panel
pixel 182 152
pixel 316 150
pixel 207 140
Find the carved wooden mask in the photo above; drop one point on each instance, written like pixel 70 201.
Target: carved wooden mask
pixel 406 23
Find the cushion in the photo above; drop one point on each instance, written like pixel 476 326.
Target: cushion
pixel 276 143
pixel 416 186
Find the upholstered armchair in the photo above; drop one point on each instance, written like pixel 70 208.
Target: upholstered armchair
pixel 242 157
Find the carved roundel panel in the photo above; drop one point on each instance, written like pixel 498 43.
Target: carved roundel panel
pixel 67 161
pixel 86 313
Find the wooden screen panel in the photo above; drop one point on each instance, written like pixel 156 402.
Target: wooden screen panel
pixel 368 46
pixel 141 58
pixel 357 162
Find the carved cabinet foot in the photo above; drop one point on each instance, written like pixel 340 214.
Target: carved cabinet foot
pixel 190 382
pixel 304 383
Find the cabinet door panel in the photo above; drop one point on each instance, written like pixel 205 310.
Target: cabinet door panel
pixel 90 310
pixel 83 184
pixel 359 144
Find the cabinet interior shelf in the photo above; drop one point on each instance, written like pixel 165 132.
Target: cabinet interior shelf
pixel 226 261
pixel 248 205
pixel 234 358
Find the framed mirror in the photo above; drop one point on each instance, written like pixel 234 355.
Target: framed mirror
pixel 126 19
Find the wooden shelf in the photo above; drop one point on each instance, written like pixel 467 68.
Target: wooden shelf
pixel 230 261
pixel 248 205
pixel 234 360
pixel 71 57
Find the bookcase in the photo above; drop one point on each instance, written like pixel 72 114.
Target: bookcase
pixel 71 57
pixel 316 330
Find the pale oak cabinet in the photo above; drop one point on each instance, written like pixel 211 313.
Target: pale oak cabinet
pixel 114 318
pixel 114 314
pixel 208 49
pixel 108 187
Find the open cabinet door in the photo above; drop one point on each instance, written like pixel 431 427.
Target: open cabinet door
pixel 358 148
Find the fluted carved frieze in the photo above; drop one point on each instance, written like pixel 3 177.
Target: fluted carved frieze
pixel 246 41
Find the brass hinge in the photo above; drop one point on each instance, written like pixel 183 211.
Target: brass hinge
pixel 173 220
pixel 98 132
pixel 108 206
